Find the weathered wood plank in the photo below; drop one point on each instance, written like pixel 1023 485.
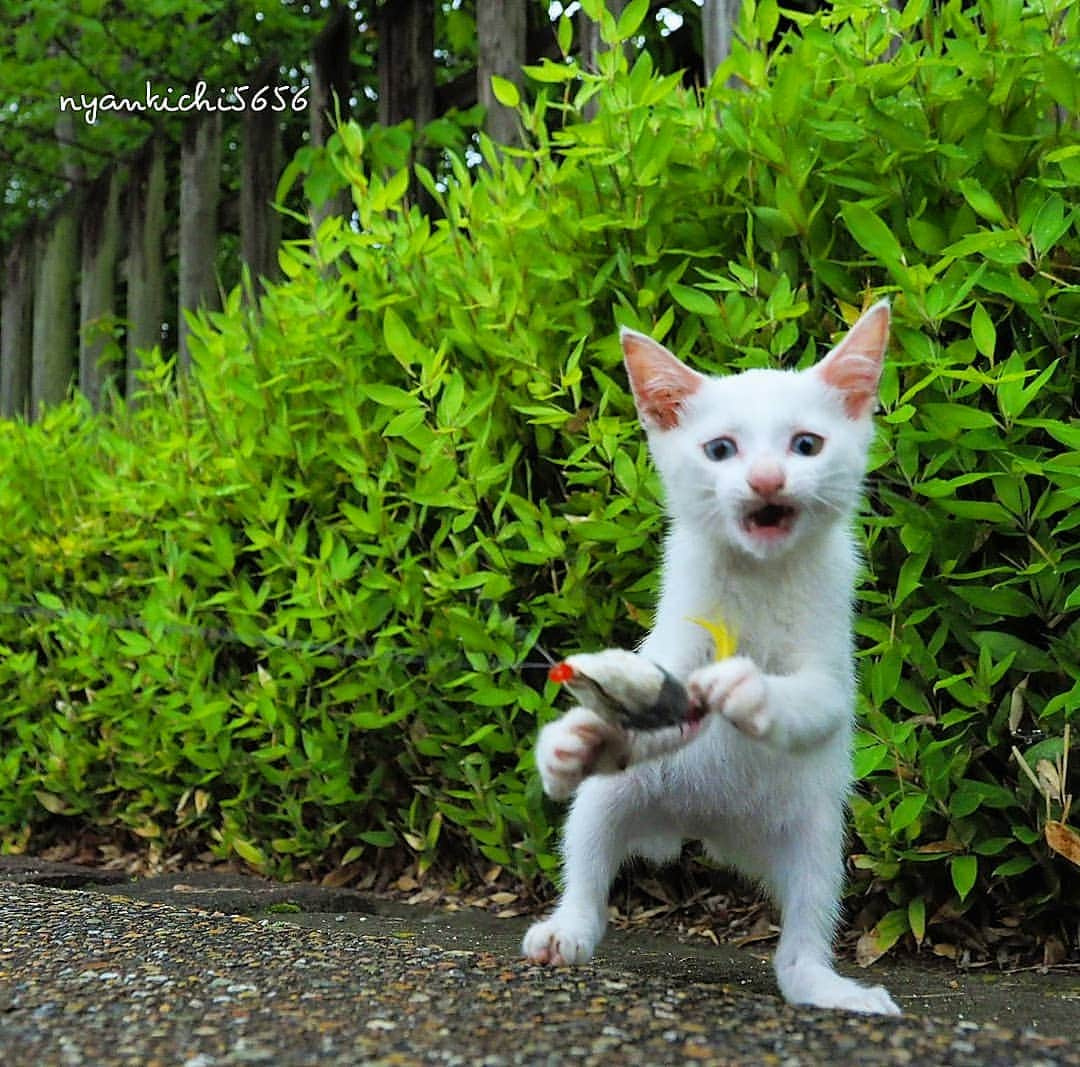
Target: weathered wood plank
pixel 17 327
pixel 260 224
pixel 54 350
pixel 501 37
pixel 406 63
pixel 331 84
pixel 145 258
pixel 97 281
pixel 718 19
pixel 592 45
pixel 200 187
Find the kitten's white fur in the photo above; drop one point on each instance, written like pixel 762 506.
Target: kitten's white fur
pixel 763 781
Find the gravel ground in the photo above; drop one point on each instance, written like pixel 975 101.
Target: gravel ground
pixel 87 978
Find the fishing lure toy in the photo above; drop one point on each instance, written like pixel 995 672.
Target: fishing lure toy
pixel 631 691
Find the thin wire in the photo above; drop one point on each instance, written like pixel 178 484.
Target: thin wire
pixel 225 636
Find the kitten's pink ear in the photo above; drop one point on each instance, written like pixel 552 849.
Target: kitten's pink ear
pixel 854 365
pixel 660 382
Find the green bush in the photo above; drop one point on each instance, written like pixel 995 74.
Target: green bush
pixel 286 611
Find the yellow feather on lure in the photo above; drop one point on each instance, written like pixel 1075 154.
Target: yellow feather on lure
pixel 723 638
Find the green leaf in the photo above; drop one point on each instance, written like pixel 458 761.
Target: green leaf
pixel 565 34
pixel 49 600
pixel 957 417
pixel 378 838
pixel 404 423
pixel 135 643
pixel 694 300
pixel 479 734
pixel 52 803
pixel 964 871
pixel 388 396
pixel 871 233
pixel 399 340
pixel 1015 397
pixel 980 200
pixel 1003 600
pixel 1061 81
pixel 889 929
pixel 869 759
pixel 221 543
pixel 551 72
pixel 505 91
pixel 916 915
pixel 249 853
pixel 1051 223
pixel 391 192
pixel 633 15
pixel 1012 867
pixel 983 332
pixel 906 812
pixel 911 571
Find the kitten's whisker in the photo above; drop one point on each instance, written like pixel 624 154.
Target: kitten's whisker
pixel 818 498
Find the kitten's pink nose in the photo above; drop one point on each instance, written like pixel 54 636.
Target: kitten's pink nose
pixel 766 478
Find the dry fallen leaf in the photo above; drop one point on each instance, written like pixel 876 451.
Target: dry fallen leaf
pixel 1063 839
pixel 866 949
pixel 940 846
pixel 342 876
pixel 1049 779
pixel 762 930
pixel 643 915
pixel 1016 706
pixel 1054 952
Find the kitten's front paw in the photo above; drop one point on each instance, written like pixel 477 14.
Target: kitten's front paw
pixel 625 688
pixel 734 688
pixel 555 942
pixel 822 987
pixel 578 744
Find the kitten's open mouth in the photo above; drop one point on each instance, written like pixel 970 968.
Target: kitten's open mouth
pixel 770 521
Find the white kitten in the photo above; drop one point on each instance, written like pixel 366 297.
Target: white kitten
pixel 762 472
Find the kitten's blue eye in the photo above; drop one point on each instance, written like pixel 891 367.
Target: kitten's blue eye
pixel 720 448
pixel 807 444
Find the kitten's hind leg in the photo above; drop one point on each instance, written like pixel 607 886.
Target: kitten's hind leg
pixel 596 840
pixel 805 874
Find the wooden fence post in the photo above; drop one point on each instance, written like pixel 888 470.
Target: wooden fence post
pixel 200 184
pixel 718 18
pixel 16 327
pixel 331 78
pixel 145 269
pixel 97 283
pixel 406 31
pixel 501 37
pixel 260 224
pixel 54 309
pixel 592 45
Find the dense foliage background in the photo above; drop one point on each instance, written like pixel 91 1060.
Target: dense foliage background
pixel 290 610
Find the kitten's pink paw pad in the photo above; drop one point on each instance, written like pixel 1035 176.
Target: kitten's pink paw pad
pixel 569 749
pixel 550 943
pixel 735 689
